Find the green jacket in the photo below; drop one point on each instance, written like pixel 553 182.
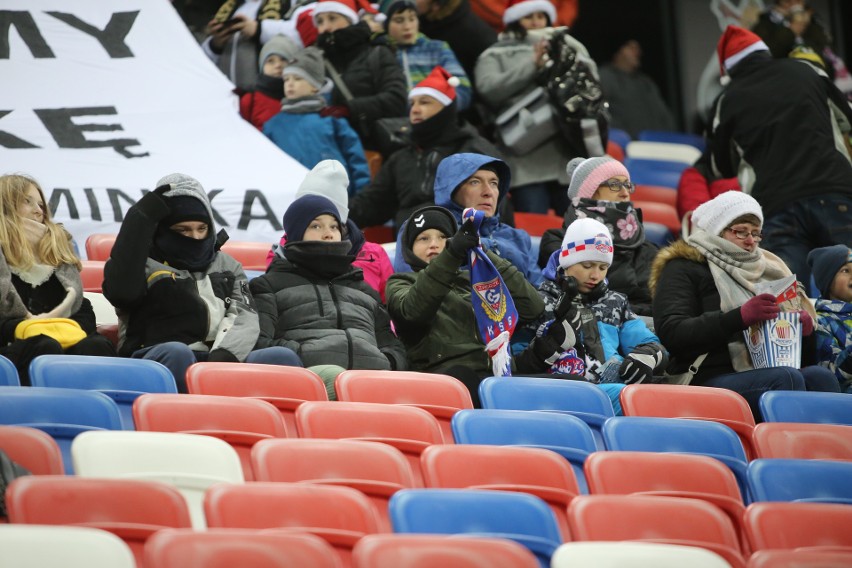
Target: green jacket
pixel 433 314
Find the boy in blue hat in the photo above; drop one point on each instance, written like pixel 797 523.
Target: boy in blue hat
pixel 832 271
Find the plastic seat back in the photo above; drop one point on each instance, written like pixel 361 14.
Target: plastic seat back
pixel 123 380
pixel 440 395
pixel 803 558
pixel 798 525
pixel 215 548
pixel 579 398
pixel 634 555
pixel 8 373
pixel 660 213
pixel 283 387
pixel 658 150
pixel 649 172
pixel 620 137
pixel 535 224
pixel 407 428
pixel 688 401
pixel 99 245
pixel 504 468
pixel 190 463
pixel 241 422
pixel 567 435
pixel 674 137
pixel 655 193
pixel 252 255
pixel 377 470
pixel 339 515
pixel 806 406
pixel 427 551
pixel 31 546
pixel 130 509
pixel 793 440
pixel 800 480
pixel 33 449
pixel 523 518
pixel 92 275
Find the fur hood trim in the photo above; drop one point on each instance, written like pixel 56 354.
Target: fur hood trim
pixel 678 249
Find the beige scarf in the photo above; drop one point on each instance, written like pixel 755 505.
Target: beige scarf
pixel 736 272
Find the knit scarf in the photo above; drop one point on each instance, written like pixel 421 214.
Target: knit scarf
pixel 39 272
pixel 735 273
pixel 620 217
pixel 272 87
pixel 303 105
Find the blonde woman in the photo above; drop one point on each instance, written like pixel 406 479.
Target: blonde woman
pixel 39 277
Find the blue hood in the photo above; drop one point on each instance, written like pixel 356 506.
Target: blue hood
pixel 455 169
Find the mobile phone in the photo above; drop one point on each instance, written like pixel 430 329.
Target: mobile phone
pixel 231 22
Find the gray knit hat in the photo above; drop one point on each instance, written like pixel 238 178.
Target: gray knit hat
pixel 329 179
pixel 587 174
pixel 278 45
pixel 309 66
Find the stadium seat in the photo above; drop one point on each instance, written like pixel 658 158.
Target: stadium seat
pixel 516 516
pixel 377 470
pixel 578 398
pixel 658 234
pixel 440 395
pixel 793 440
pixel 62 413
pixel 34 450
pixel 613 150
pixel 34 546
pixel 647 172
pixel 92 275
pixel 666 520
pixel 668 151
pixel 642 434
pixel 673 137
pixel 504 468
pixel 634 555
pixel 408 429
pixel 564 434
pixel 800 480
pixel 535 224
pixel 99 245
pixel 252 255
pixel 804 406
pixel 132 510
pixel 656 194
pixel 660 213
pixel 798 525
pixel 803 558
pixel 283 387
pixel 688 401
pixel 379 234
pixel 241 422
pixel 424 551
pixel 188 462
pixel 8 373
pixel 123 380
pixel 620 137
pixel 216 548
pixel 374 162
pixel 339 515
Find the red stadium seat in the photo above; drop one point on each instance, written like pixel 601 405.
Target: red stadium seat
pixel 537 223
pixel 251 255
pixel 423 551
pixel 99 245
pixel 34 450
pixel 794 440
pixel 791 525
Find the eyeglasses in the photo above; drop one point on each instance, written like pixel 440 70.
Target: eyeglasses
pixel 742 234
pixel 616 186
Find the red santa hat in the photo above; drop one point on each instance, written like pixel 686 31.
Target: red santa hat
pixel 438 84
pixel 517 9
pixel 349 9
pixel 735 45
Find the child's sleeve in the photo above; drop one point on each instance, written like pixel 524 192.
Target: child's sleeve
pixel 352 151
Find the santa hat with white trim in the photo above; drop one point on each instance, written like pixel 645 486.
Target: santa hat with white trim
pixel 349 9
pixel 735 45
pixel 438 84
pixel 517 9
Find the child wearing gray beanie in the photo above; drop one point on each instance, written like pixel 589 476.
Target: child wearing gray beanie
pixel 832 271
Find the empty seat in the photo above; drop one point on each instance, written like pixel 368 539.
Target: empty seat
pixel 190 463
pixel 660 213
pixel 538 472
pixel 426 551
pixel 658 234
pixel 8 373
pixel 215 548
pixel 773 525
pixel 132 510
pixel 634 555
pixel 794 440
pixel 806 406
pixel 674 137
pixel 440 395
pixel 99 245
pixel 33 449
pixel 282 386
pixel 123 380
pixel 650 172
pixel 377 470
pixel 535 224
pixel 92 275
pixel 656 194
pixel 34 546
pixel 658 150
pixel 800 480
pixel 803 558
pixel 251 255
pixel 620 137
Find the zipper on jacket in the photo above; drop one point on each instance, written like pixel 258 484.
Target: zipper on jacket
pixel 340 324
pixel 319 300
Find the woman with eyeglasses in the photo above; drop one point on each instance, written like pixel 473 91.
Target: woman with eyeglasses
pixel 39 279
pixel 705 297
pixel 601 189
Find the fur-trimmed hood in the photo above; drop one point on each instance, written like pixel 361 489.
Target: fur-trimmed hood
pixel 678 249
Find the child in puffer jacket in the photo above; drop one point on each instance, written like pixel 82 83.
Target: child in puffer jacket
pixel 832 271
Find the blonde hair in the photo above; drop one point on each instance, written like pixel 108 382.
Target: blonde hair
pixel 53 249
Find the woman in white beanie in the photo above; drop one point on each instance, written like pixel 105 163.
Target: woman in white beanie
pixel 704 298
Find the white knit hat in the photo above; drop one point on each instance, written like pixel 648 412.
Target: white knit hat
pixel 517 9
pixel 330 180
pixel 718 213
pixel 587 174
pixel 585 240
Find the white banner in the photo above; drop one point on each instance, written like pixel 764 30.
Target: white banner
pixel 100 99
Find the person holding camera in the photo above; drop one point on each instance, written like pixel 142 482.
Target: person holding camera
pixel 788 23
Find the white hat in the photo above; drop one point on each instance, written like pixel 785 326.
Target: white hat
pixel 718 213
pixel 330 180
pixel 585 240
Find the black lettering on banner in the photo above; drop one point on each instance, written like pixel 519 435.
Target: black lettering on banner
pixel 69 135
pixel 246 217
pixel 217 218
pixel 63 193
pixel 10 140
pixel 27 29
pixel 111 37
pixel 114 195
pixel 94 207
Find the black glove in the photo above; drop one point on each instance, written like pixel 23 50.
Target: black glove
pixel 222 356
pixel 639 365
pixel 558 338
pixel 163 189
pixel 465 238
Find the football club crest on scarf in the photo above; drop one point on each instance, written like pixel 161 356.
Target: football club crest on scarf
pixel 496 316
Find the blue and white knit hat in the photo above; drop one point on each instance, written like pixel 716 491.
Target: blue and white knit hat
pixel 585 240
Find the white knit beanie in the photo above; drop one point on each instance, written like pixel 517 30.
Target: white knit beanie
pixel 585 240
pixel 587 174
pixel 718 213
pixel 330 180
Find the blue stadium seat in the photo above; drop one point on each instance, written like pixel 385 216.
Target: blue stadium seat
pixel 800 480
pixel 805 406
pixel 523 518
pixel 8 373
pixel 577 398
pixel 620 137
pixel 674 138
pixel 655 172
pixel 658 234
pixel 123 380
pixel 62 413
pixel 564 434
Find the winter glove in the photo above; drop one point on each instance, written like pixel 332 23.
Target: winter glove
pixel 807 322
pixel 758 309
pixel 558 338
pixel 465 239
pixel 335 111
pixel 639 365
pixel 222 356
